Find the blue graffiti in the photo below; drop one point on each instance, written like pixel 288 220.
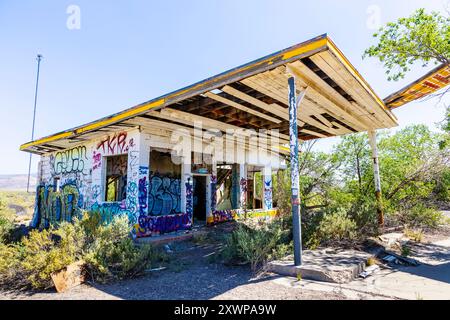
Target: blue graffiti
pixel 164 196
pixel 189 198
pixel 109 210
pixel 157 225
pixel 213 192
pixel 54 206
pixel 268 192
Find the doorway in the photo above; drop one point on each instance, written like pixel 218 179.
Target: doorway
pixel 199 201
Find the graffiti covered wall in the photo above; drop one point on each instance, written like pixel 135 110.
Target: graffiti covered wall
pixel 75 179
pixel 72 180
pixel 220 216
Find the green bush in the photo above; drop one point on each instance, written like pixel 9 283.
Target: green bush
pixel 113 254
pixel 442 188
pixel 255 245
pixel 6 226
pixel 107 250
pixel 6 221
pixel 334 226
pixel 421 216
pixel 12 274
pixel 44 256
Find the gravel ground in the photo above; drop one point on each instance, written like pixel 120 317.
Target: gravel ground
pixel 192 274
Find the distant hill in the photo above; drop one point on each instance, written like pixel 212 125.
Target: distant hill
pixel 16 182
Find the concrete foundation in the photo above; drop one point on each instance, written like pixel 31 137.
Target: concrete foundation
pixel 329 265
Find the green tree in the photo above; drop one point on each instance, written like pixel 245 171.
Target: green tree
pixel 422 37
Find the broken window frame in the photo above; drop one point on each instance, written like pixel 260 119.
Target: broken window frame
pixel 120 187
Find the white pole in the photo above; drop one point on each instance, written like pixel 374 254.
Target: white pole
pixel 376 175
pixel 39 58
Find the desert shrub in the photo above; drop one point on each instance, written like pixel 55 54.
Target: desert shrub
pixel 107 250
pixel 49 251
pixel 12 274
pixel 254 245
pixel 113 255
pixel 6 226
pixel 414 235
pixel 6 221
pixel 442 188
pixel 334 226
pixel 420 216
pixel 281 251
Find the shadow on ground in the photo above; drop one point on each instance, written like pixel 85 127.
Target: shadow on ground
pixel 434 259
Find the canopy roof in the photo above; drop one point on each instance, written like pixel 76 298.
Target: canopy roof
pixel 430 83
pixel 254 96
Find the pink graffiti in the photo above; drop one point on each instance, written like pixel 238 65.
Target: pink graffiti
pixel 115 144
pixel 97 157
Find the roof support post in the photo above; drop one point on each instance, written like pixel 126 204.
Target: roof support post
pixel 187 188
pixel 267 188
pixel 294 103
pixel 243 187
pixel 376 176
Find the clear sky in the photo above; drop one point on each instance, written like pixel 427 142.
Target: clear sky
pixel 127 52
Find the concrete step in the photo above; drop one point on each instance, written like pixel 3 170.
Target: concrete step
pixel 329 265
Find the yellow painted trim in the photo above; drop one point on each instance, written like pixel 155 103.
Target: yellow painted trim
pixel 95 125
pixel 308 47
pixel 45 140
pixel 124 115
pixel 284 55
pixel 338 53
pixel 419 89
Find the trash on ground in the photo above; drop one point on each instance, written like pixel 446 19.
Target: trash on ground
pixel 369 271
pixel 168 249
pixel 156 269
pixel 390 259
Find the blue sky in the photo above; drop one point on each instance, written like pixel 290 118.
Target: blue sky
pixel 127 52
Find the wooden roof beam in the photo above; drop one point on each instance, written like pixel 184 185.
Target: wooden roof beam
pixel 302 116
pixel 327 93
pixel 326 62
pixel 241 107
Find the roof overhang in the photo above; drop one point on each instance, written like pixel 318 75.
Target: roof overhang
pixel 431 83
pixel 255 96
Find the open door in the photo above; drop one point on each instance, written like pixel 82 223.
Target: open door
pixel 199 201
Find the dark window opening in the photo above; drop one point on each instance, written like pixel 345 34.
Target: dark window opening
pixel 116 178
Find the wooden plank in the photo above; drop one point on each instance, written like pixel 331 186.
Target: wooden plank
pixel 334 50
pixel 301 50
pixel 241 107
pixel 341 129
pixel 313 133
pixel 348 83
pixel 183 117
pixel 258 103
pixel 275 90
pixel 256 85
pixel 165 130
pixel 324 94
pixel 324 120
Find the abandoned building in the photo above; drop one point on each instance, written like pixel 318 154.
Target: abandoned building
pixel 124 164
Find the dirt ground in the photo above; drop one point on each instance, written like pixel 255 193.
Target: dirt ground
pixel 191 274
pixel 194 273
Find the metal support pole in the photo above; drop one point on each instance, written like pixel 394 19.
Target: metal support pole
pixel 293 146
pixel 39 58
pixel 376 176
